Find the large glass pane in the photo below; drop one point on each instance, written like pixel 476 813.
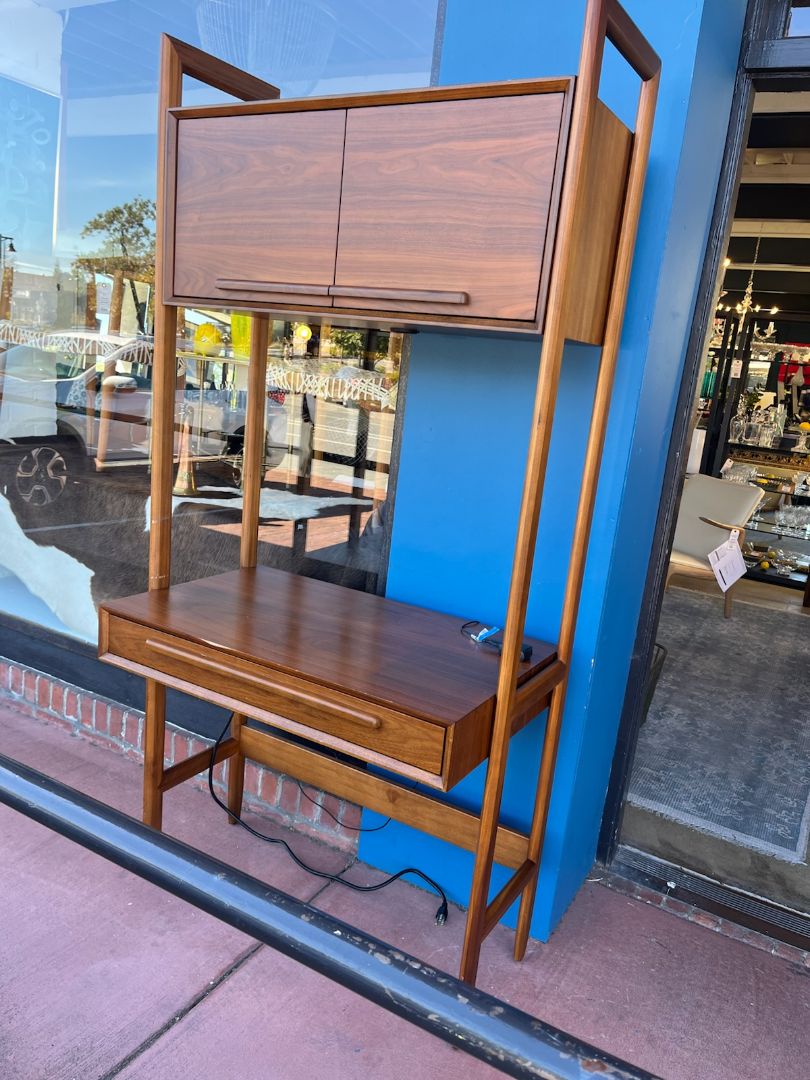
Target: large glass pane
pixel 799 24
pixel 78 108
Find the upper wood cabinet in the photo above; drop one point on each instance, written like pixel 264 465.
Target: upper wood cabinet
pixel 257 202
pixel 448 201
pixel 434 206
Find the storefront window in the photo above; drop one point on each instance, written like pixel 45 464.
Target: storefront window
pixel 799 24
pixel 77 218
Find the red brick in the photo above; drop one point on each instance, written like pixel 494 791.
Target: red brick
pixel 786 952
pixel 330 808
pixel 44 692
pixel 253 778
pixel 101 717
pixel 289 796
pixel 310 805
pixel 350 815
pixel 30 686
pixel 677 907
pixel 5 676
pixel 58 698
pixel 703 918
pixel 86 710
pixel 131 731
pixel 116 722
pixel 180 747
pixel 16 680
pixel 72 705
pixel 196 746
pixel 648 896
pixel 270 787
pixel 168 749
pixel 736 932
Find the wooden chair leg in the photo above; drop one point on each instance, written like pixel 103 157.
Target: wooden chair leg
pixel 236 773
pixel 727 601
pixel 154 736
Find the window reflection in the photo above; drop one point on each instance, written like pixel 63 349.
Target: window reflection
pixel 77 167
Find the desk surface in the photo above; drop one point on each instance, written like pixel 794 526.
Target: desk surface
pixel 405 657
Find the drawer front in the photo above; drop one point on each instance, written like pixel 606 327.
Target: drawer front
pixel 445 206
pixel 261 689
pixel 256 212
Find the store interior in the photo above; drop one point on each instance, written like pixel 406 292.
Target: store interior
pixel 720 784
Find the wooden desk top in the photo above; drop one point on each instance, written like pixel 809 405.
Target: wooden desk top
pixel 407 658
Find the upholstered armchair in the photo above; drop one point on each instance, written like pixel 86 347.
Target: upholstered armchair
pixel 709 508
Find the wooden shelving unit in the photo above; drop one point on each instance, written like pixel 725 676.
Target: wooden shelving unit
pixel 501 208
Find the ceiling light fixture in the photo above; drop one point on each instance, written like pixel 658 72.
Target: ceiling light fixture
pixel 747 303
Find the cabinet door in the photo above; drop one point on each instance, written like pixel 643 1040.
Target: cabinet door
pixel 257 206
pixel 445 206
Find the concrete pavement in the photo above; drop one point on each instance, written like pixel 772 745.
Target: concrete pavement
pixel 102 975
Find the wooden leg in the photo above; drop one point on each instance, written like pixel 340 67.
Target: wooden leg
pixel 236 772
pixel 540 815
pixel 727 601
pixel 153 740
pixel 475 929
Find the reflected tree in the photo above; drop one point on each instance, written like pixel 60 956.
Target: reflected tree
pixel 128 253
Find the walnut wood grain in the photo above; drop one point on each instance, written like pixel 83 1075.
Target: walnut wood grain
pixel 197 763
pixel 262 691
pixel 281 288
pixel 451 196
pixel 600 198
pixel 362 645
pixel 421 296
pixel 352 782
pixel 458 92
pixel 257 200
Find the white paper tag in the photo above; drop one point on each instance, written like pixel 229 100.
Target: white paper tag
pixel 736 369
pixel 727 562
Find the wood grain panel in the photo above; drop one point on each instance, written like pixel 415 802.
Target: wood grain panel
pixel 399 737
pixel 460 91
pixel 365 646
pixel 596 226
pixel 257 201
pixel 451 196
pixel 354 783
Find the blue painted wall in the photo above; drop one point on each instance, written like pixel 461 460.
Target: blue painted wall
pixel 467 421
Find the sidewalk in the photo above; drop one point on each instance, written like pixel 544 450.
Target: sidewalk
pixel 103 975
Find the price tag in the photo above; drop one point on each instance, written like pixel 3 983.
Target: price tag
pixel 736 369
pixel 727 562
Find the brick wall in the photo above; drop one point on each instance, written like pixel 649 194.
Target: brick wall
pixel 109 724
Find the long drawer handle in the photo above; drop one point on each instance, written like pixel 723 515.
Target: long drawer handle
pixel 232 284
pixel 300 695
pixel 422 296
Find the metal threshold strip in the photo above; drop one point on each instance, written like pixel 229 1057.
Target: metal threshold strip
pixel 483 1026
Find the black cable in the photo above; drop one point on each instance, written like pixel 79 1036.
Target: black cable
pixel 441 913
pixel 343 825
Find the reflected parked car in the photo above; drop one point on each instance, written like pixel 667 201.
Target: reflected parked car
pixel 60 411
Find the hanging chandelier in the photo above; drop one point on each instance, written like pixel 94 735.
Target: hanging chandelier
pixel 747 303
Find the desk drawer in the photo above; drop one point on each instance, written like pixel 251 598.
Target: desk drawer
pixel 264 692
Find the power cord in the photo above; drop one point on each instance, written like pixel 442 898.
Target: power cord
pixel 324 810
pixel 442 911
